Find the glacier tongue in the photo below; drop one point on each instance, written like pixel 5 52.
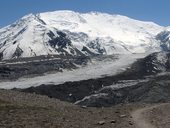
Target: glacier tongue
pixel 98 67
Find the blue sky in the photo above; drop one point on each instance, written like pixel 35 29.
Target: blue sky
pixel 148 10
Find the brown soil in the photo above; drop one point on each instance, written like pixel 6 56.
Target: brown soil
pixel 159 115
pixel 21 110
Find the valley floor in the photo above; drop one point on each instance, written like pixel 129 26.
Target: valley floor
pixel 24 110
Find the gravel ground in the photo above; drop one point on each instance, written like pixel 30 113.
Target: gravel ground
pixel 21 110
pixel 159 116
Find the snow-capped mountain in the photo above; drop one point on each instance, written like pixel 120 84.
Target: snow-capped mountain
pixel 75 34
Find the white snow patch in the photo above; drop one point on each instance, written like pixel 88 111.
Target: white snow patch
pixel 92 96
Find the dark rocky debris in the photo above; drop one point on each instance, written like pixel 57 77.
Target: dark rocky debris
pixel 155 89
pixel 20 67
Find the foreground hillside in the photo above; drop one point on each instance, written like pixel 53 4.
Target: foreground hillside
pixel 21 110
pixel 27 110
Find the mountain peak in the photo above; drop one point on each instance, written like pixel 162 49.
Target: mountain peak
pixel 68 32
pixel 28 16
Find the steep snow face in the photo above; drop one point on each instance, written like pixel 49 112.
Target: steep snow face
pixel 120 28
pixel 30 36
pixel 72 33
pixel 26 35
pixel 168 28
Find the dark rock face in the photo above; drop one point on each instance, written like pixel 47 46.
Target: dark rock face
pixel 95 45
pixel 152 64
pixel 61 41
pixel 1 55
pixel 18 52
pixel 62 44
pixel 163 37
pixel 87 51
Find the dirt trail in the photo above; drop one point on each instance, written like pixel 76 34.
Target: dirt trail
pixel 140 119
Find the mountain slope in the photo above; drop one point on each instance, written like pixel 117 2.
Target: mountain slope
pixel 31 37
pixel 76 34
pixel 102 24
